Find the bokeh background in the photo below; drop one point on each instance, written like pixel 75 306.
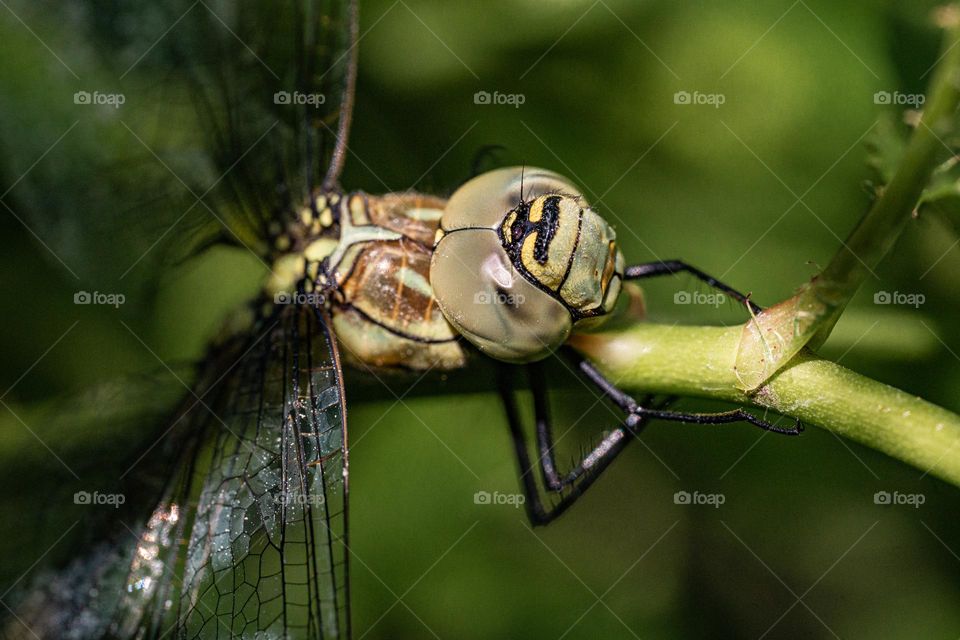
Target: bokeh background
pixel 758 190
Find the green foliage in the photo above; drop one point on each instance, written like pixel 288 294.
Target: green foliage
pixel 717 187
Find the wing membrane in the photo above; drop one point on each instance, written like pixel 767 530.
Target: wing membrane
pixel 250 537
pixel 267 80
pixel 266 551
pixel 230 113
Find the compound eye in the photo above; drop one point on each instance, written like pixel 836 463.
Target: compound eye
pixel 486 199
pixel 490 303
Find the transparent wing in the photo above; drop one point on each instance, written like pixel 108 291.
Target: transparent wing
pixel 267 81
pixel 250 538
pixel 162 120
pixel 267 548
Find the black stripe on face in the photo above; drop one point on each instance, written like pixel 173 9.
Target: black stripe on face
pixel 519 228
pixel 547 229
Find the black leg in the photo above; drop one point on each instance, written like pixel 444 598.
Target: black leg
pixel 668 267
pixel 541 409
pixel 573 484
pixel 552 479
pixel 584 474
pixel 630 406
pixel 532 503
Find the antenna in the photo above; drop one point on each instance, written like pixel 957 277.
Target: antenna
pixel 523 168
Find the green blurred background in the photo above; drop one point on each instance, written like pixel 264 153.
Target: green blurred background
pixel 799 549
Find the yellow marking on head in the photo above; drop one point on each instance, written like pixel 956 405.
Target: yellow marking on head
pixel 609 267
pixel 536 210
pixel 561 246
pixel 550 273
pixel 507 227
pixel 612 294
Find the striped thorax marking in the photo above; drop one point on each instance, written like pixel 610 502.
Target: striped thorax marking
pixel 356 229
pixel 377 266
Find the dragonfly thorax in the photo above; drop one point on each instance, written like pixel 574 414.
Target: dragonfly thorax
pixel 368 256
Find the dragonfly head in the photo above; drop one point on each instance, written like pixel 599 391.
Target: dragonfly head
pixel 521 260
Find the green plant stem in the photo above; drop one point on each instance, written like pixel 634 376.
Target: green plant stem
pixel 879 230
pixel 698 362
pixel 775 336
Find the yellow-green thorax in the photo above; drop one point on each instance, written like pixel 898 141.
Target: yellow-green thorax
pixel 371 254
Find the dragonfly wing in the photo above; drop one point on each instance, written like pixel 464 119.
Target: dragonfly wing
pixel 268 80
pixel 267 548
pixel 250 538
pixel 190 121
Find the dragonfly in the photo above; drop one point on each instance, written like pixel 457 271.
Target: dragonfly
pixel 248 536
